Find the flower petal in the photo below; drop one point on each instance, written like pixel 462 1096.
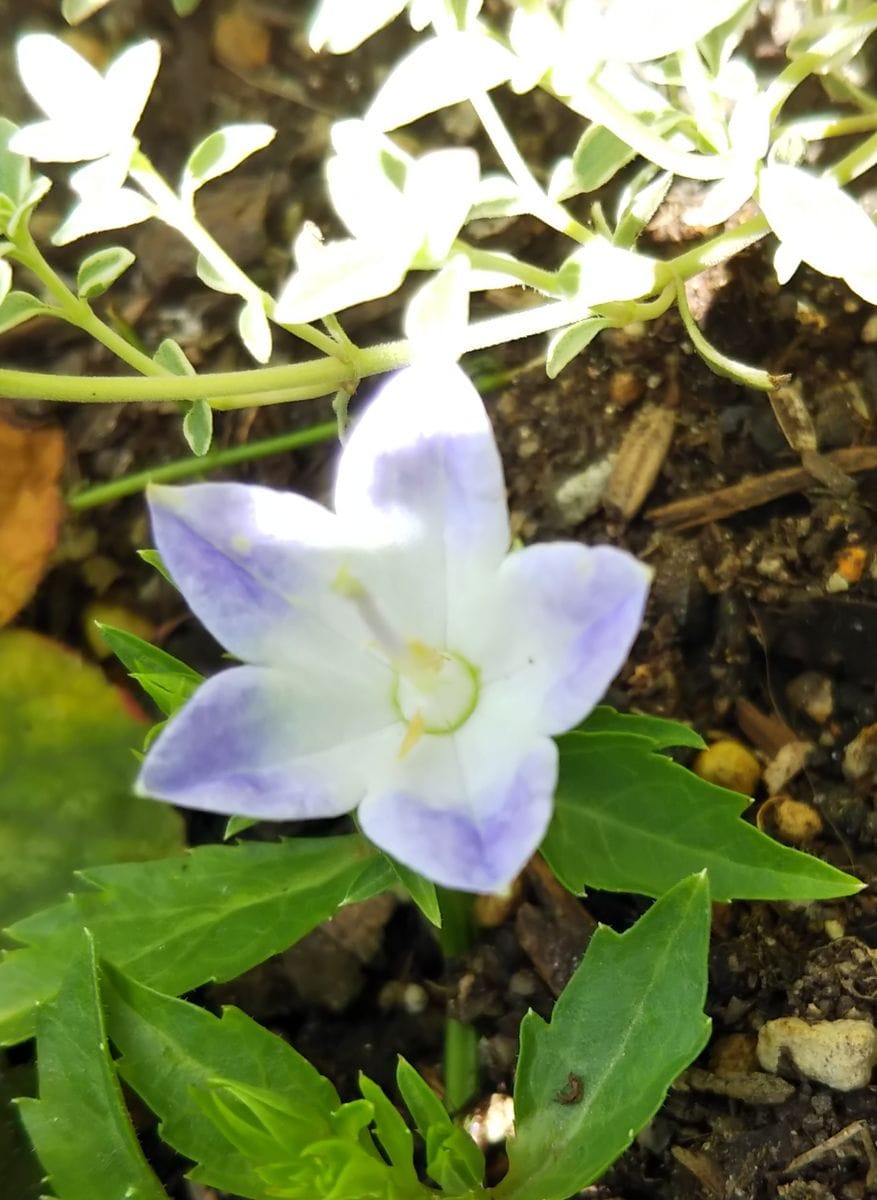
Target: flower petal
pixel 467 810
pixel 562 623
pixel 262 743
pixel 257 567
pixel 421 474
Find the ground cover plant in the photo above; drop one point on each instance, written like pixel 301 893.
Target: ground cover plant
pixel 400 658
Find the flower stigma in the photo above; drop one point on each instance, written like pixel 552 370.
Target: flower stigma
pixel 434 691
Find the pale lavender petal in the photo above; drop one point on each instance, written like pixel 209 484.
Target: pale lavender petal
pixel 257 567
pixel 421 475
pixel 561 626
pixel 262 743
pixel 469 809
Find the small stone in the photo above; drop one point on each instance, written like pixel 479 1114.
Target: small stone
pixel 580 495
pixel 625 387
pixel 812 693
pixel 869 331
pixel 794 822
pixel 836 583
pixel 860 755
pixel 729 764
pixel 840 1054
pixel 788 762
pixel 240 41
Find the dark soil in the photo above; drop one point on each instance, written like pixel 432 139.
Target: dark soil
pixel 742 607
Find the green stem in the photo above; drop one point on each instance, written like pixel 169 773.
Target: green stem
pixel 181 216
pixel 77 311
pixel 185 468
pixel 461 1041
pixel 530 276
pixel 542 206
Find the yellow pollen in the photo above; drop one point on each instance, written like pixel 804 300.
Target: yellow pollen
pixel 425 658
pixel 347 585
pixel 415 731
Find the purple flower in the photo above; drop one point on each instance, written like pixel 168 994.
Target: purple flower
pixel 399 660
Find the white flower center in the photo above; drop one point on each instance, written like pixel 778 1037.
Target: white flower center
pixel 436 691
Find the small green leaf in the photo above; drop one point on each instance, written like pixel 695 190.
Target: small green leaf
pixel 169 682
pixel 598 157
pixel 630 820
pixel 452 1158
pixel 157 563
pixel 630 1019
pixel 236 825
pixel 172 1051
pixel 213 279
pixel 255 331
pixel 98 1155
pixel 100 270
pixel 392 1132
pixel 76 11
pixel 5 279
pixel 422 891
pixel 222 151
pixel 566 344
pixel 14 168
pixel 638 204
pixel 662 733
pixel 66 755
pixel 18 307
pixel 198 426
pixel 338 275
pixel 437 315
pixel 170 356
pixel 176 923
pixel 185 8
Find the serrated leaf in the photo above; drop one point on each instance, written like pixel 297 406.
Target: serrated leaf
pixel 67 739
pixel 99 1155
pixel 452 1158
pixel 566 344
pixel 18 307
pixel 630 1019
pixel 438 72
pixel 222 151
pixel 170 356
pixel 100 270
pixel 663 734
pixel 339 26
pixel 169 682
pixel 627 819
pixel 177 923
pixel 198 426
pixel 254 330
pixel 171 1051
pixel 392 1132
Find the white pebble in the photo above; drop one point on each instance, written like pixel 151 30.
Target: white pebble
pixel 840 1054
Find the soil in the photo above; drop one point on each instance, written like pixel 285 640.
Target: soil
pixel 762 625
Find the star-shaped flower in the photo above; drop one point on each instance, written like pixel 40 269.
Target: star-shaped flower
pixel 399 660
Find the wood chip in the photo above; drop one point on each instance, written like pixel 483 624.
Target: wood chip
pixel 704 1169
pixel 639 461
pixel 755 491
pixel 766 731
pixel 793 417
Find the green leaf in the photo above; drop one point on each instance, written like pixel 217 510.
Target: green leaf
pixel 79 1125
pixel 185 8
pixel 99 271
pixel 437 315
pixel 18 307
pixel 214 279
pixel 338 275
pixel 630 1019
pixel 630 820
pixel 452 1158
pixel 171 1051
pixel 392 1132
pixel 66 763
pixel 170 356
pixel 222 151
pixel 169 682
pixel 422 891
pixel 76 11
pixel 5 278
pixel 177 923
pixel 14 168
pixel 236 825
pixel 198 426
pixel 565 344
pixel 22 1173
pixel 438 72
pixel 598 157
pixel 154 559
pixel 661 733
pixel 638 204
pixel 255 331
